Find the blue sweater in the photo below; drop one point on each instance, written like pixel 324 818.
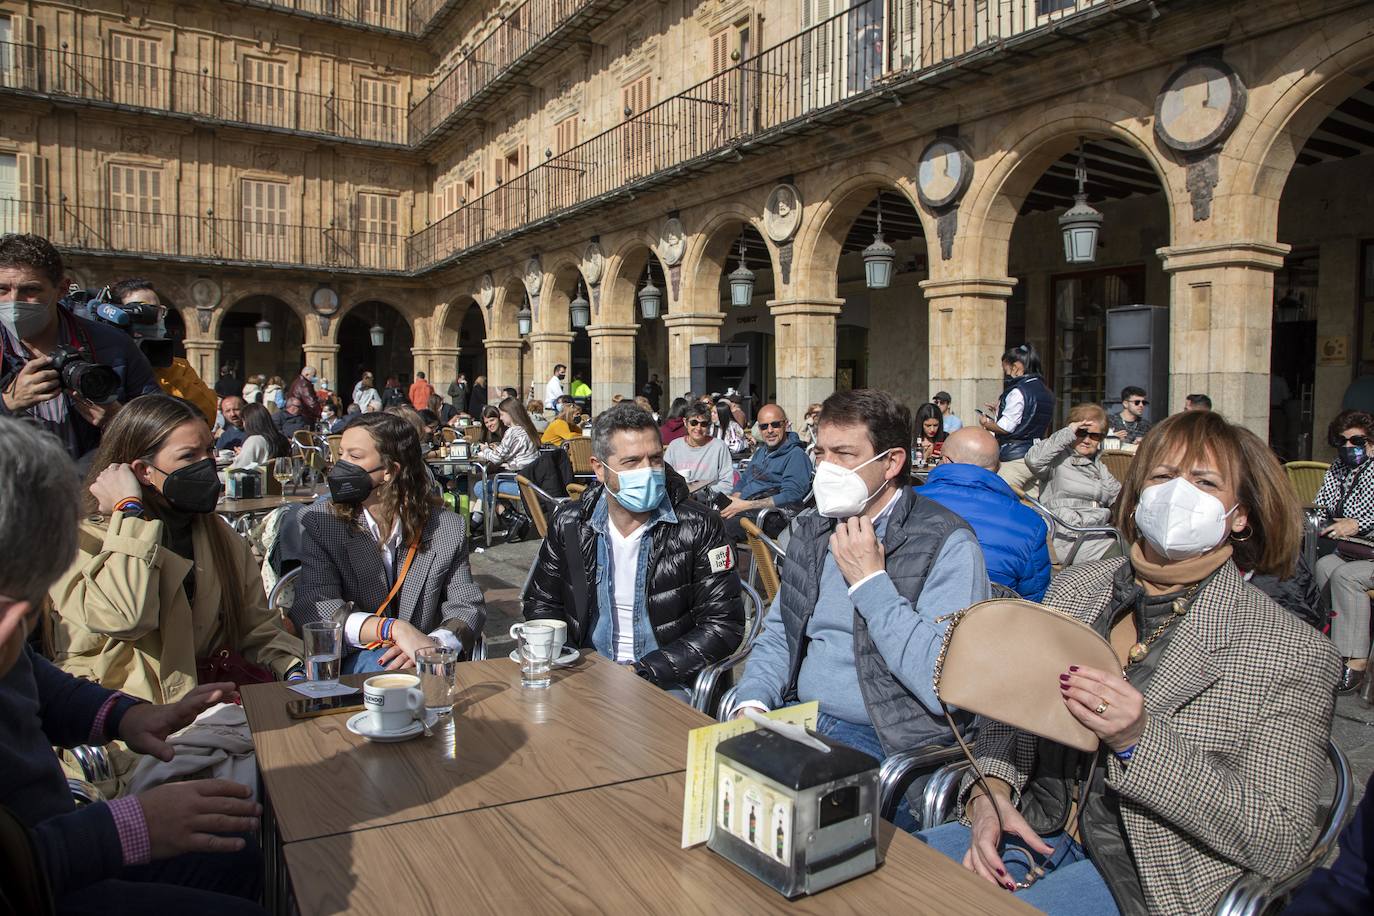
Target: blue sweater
pixel 42 706
pixel 783 473
pixel 1347 887
pixel 1012 535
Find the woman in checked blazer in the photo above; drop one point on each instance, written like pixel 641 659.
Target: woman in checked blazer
pixel 1213 742
pixel 381 524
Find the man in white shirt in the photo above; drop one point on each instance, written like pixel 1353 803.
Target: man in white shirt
pixel 554 389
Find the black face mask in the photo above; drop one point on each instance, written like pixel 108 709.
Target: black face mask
pixel 194 488
pixel 350 484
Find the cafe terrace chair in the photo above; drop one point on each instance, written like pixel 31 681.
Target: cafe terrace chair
pixel 706 687
pixel 1058 527
pixel 1306 478
pixel 335 441
pixel 579 451
pixel 533 498
pixel 1118 463
pixel 448 435
pixel 1251 894
pixel 766 555
pixel 282 596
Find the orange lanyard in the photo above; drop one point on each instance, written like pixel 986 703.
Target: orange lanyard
pixel 396 587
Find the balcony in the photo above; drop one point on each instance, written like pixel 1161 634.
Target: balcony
pixel 837 68
pixel 415 19
pixel 67 77
pixel 533 33
pixel 174 237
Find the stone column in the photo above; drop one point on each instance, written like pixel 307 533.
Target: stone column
pixel 325 358
pixel 1221 325
pixel 548 349
pixel 443 368
pixel 503 363
pixel 203 355
pixel 968 333
pixel 613 362
pixel 685 329
pixel 805 348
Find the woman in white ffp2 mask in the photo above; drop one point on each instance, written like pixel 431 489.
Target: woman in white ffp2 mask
pixel 1214 727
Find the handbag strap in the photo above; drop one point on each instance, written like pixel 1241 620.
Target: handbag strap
pixel 1338 511
pixel 396 586
pixel 577 572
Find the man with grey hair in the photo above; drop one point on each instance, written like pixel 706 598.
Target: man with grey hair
pixel 637 569
pixel 139 854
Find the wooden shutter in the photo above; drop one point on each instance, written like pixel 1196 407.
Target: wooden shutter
pixel 379 112
pixel 264 92
pixel 265 220
pixel 635 101
pixel 135 194
pixel 378 227
pixel 136 70
pixel 25 208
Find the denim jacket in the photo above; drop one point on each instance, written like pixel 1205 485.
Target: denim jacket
pixel 605 625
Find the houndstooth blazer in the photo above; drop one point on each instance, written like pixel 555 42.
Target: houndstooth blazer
pixel 1226 776
pixel 341 562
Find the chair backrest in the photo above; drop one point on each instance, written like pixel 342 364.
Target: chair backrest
pixel 335 447
pixel 764 561
pixel 1306 478
pixel 282 597
pixel 530 494
pixel 579 451
pixel 1118 463
pixel 449 435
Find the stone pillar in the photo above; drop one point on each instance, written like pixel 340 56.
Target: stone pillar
pixel 968 334
pixel 503 364
pixel 548 349
pixel 325 358
pixel 685 329
pixel 613 362
pixel 805 347
pixel 443 368
pixel 203 355
pixel 1221 325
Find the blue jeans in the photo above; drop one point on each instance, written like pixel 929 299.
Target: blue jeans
pixel 364 661
pixel 508 487
pixel 1072 887
pixel 865 738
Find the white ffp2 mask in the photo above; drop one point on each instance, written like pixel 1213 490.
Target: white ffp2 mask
pixel 1179 520
pixel 841 492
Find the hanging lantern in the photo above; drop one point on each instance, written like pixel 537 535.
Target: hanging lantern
pixel 377 334
pixel 1080 223
pixel 524 318
pixel 741 282
pixel 650 297
pixel 580 310
pixel 879 256
pixel 264 329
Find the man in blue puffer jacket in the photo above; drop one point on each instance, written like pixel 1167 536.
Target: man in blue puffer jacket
pixel 1012 536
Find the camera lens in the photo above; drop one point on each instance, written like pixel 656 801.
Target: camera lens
pixel 92 381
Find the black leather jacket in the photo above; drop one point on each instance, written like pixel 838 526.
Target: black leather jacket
pixel 697 614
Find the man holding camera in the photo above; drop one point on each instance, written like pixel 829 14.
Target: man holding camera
pixel 175 376
pixel 67 373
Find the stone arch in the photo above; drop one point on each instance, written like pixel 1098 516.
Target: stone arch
pixel 560 278
pixel 286 295
pixel 710 249
pixel 621 277
pixel 351 328
pixel 507 295
pixel 1294 97
pixel 234 327
pixel 1028 147
pixel 818 245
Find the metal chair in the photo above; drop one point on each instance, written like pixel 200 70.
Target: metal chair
pixel 901 769
pixel 335 442
pixel 448 435
pixel 1306 478
pixel 1055 524
pixel 1118 463
pixel 83 792
pixel 579 451
pixel 708 679
pixel 281 598
pixel 765 553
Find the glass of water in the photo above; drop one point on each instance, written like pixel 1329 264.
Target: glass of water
pixel 437 667
pixel 323 645
pixel 536 655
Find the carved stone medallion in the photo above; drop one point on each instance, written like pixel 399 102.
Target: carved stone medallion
pixel 486 291
pixel 943 173
pixel 1199 106
pixel 593 263
pixel 534 276
pixel 672 242
pixel 324 301
pixel 782 214
pixel 205 293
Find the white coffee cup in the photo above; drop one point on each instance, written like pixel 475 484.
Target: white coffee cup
pixel 393 701
pixel 560 633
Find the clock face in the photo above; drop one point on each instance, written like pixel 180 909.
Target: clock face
pixel 1199 106
pixel 944 173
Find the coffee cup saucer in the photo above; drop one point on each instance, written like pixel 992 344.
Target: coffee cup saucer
pixel 570 655
pixel 360 725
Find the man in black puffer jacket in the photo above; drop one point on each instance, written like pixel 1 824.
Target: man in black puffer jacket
pixel 658 588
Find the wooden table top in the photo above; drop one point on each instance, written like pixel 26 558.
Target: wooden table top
pixel 596 725
pixel 262 503
pixel 613 849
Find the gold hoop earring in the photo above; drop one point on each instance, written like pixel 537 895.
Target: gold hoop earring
pixel 1248 532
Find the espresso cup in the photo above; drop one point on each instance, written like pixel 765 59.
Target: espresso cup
pixel 393 701
pixel 560 633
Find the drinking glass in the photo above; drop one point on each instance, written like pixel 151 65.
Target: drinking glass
pixel 323 646
pixel 437 667
pixel 282 470
pixel 536 655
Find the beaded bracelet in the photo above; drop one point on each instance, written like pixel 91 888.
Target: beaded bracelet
pixel 384 633
pixel 130 505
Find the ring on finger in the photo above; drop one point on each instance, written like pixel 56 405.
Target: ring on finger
pixel 1102 705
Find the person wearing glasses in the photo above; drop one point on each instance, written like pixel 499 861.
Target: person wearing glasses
pixel 1130 425
pixel 1346 498
pixel 178 378
pixel 778 475
pixel 1074 483
pixel 701 459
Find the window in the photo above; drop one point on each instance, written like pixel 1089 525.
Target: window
pixel 385 13
pixel 446 198
pixel 10 200
pixel 136 76
pixel 378 230
pixel 817 53
pixel 564 174
pixel 264 92
pixel 136 220
pixel 379 115
pixel 509 200
pixel 636 147
pixel 19 60
pixel 265 231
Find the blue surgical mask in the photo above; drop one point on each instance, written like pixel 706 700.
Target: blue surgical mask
pixel 1352 455
pixel 642 489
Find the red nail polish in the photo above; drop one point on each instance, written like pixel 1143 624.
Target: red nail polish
pixel 1063 677
pixel 1001 872
pixel 1073 667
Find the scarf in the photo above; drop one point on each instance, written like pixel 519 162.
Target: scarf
pixel 1160 578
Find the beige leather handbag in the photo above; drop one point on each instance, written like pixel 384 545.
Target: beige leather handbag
pixel 1002 659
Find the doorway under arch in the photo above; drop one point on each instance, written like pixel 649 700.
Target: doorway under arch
pixel 357 352
pixel 281 355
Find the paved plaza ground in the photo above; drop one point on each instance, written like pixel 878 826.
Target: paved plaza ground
pixel 501 572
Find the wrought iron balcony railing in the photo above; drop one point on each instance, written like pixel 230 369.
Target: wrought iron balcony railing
pixel 834 63
pixel 104 230
pixel 106 81
pixel 410 18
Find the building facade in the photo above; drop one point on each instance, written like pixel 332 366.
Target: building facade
pixel 426 173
